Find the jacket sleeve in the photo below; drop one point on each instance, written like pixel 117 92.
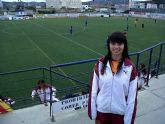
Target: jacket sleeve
pixel 130 113
pixel 92 110
pixel 33 93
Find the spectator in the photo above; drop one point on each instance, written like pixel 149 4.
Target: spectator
pixel 7 100
pixel 113 87
pixel 43 90
pixel 142 76
pixel 5 104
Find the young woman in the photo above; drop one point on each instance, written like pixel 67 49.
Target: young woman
pixel 113 87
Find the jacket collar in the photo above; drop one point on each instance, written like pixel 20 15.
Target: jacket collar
pixel 127 62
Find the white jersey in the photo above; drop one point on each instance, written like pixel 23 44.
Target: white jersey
pixel 44 94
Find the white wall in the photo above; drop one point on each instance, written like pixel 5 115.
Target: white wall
pixel 74 3
pixel 134 3
pixel 53 4
pixel 63 3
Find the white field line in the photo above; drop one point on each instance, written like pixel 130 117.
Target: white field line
pixel 81 45
pixel 74 42
pixel 53 62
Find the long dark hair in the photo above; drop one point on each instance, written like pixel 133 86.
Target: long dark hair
pixel 115 37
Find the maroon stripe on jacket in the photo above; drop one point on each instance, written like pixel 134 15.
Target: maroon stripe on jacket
pixel 90 93
pixel 128 62
pixel 134 111
pixel 133 74
pixel 89 99
pixel 96 69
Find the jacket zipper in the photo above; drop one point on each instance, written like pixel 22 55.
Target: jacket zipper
pixel 111 92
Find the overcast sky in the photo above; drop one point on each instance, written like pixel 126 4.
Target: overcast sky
pixel 35 0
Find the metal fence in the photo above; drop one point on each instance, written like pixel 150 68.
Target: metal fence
pixel 71 78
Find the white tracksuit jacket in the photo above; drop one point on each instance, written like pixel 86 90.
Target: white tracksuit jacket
pixel 116 93
pixel 44 95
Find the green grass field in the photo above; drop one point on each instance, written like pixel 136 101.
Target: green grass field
pixel 44 42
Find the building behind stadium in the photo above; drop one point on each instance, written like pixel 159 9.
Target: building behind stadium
pixel 58 4
pixel 1 4
pixel 150 4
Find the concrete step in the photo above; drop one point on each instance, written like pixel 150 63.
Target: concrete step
pixel 151 110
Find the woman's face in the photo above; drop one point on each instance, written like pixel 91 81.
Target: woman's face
pixel 116 48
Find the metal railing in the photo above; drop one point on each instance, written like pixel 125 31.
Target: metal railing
pixel 72 77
